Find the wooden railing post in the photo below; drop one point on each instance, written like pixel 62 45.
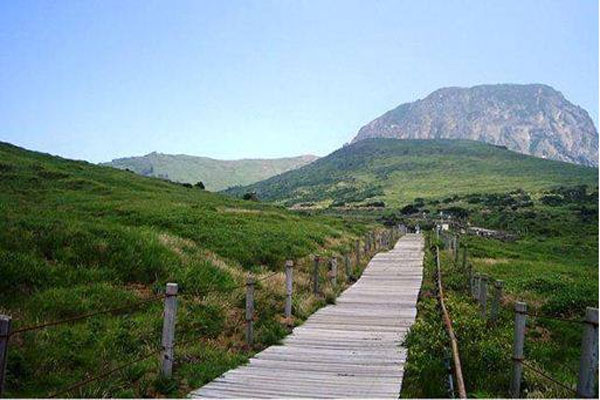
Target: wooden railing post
pixel 483 294
pixel 497 300
pixel 289 268
pixel 5 326
pixel 588 363
pixel 519 341
pixel 348 267
pixel 471 280
pixel 357 252
pixel 333 271
pixel 168 333
pixel 456 249
pixel 250 311
pixel 316 275
pixel 476 287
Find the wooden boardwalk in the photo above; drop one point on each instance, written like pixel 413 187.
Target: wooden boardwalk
pixel 350 349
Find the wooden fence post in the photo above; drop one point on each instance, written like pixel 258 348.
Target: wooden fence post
pixel 497 300
pixel 483 294
pixel 348 267
pixel 519 341
pixel 316 275
pixel 357 252
pixel 333 271
pixel 289 267
pixel 588 364
pixel 476 287
pixel 471 279
pixel 168 333
pixel 250 311
pixel 5 325
pixel 456 249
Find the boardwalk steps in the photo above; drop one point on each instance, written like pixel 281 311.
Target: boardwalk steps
pixel 350 349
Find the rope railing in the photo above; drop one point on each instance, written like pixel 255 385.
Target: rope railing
pixel 552 317
pixel 126 308
pixel 462 393
pixel 548 377
pixel 104 374
pixel 478 286
pixel 85 316
pixel 110 371
pixel 170 306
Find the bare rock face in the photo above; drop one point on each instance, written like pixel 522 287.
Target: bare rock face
pixel 531 119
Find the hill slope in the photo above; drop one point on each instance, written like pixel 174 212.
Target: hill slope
pixel 215 174
pixel 530 119
pixel 77 238
pixel 398 171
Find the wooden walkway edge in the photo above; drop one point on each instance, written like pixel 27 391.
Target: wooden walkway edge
pixel 349 349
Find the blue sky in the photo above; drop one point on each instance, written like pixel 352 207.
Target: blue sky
pixel 97 80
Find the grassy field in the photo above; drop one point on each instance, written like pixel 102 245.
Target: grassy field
pixel 553 267
pixel 78 238
pixel 399 171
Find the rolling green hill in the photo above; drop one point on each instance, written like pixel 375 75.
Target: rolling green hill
pixel 398 171
pixel 215 174
pixel 76 238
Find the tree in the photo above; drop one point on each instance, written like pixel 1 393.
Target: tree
pixel 250 196
pixel 200 185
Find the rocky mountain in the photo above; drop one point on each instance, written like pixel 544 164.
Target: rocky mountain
pixel 215 174
pixel 530 119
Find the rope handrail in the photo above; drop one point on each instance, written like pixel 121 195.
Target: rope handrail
pixel 462 393
pixel 123 308
pixel 104 374
pixel 539 315
pixel 227 289
pixel 111 371
pixel 85 316
pixel 543 316
pixel 548 377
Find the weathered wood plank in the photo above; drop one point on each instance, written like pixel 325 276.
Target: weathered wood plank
pixel 350 349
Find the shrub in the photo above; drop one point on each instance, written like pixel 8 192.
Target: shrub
pixel 409 209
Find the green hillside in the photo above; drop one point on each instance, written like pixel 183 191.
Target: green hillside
pixel 398 171
pixel 77 238
pixel 215 174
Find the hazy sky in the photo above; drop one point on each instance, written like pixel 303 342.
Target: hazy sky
pixel 97 80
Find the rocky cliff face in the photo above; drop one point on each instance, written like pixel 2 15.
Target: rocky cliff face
pixel 531 119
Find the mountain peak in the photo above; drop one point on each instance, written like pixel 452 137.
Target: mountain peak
pixel 533 119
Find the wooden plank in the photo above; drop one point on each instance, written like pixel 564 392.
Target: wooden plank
pixel 349 349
